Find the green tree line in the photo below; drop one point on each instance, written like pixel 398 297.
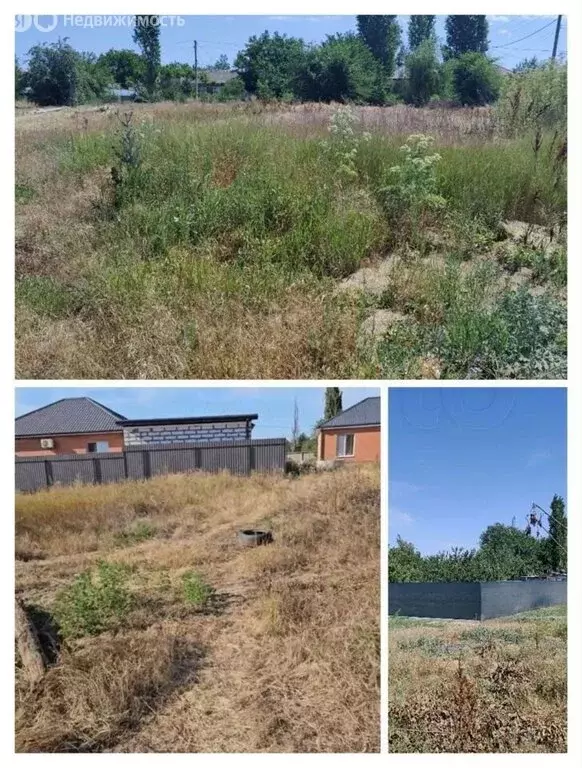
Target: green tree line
pixel 504 552
pixel 374 64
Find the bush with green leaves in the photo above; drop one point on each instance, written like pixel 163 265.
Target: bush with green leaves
pixel 410 192
pixel 195 589
pixel 341 69
pixel 474 79
pixel 504 552
pixel 534 99
pixel 98 600
pixel 423 72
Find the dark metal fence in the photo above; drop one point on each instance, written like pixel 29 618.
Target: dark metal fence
pixel 240 457
pixel 474 600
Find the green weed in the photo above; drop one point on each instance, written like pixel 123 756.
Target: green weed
pixel 196 591
pixel 142 531
pixel 97 600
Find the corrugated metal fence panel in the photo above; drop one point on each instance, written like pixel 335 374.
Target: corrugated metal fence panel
pixel 30 475
pixel 136 463
pixel 269 457
pixel 437 600
pixel 473 600
pixel 67 470
pixel 504 598
pixel 112 467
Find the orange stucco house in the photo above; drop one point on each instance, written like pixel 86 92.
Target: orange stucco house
pixel 77 425
pixel 353 435
pixel 70 425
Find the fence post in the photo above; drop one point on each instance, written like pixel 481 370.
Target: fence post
pixel 252 457
pixel 147 466
pixel 197 457
pixel 48 473
pixel 96 470
pixel 124 464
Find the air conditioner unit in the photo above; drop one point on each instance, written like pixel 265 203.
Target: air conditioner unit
pixel 47 442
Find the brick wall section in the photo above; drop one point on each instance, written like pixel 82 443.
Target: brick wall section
pixel 184 433
pixel 366 444
pixel 67 444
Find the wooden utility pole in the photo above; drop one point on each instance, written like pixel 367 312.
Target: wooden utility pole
pixel 196 64
pixel 556 36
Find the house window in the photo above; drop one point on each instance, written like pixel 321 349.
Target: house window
pixel 102 446
pixel 345 445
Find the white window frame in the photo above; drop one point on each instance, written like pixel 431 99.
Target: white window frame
pixel 98 443
pixel 342 438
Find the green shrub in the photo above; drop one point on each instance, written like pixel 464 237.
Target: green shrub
pixel 96 601
pixel 475 81
pixel 534 99
pixel 423 74
pixel 196 591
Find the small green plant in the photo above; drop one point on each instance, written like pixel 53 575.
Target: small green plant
pixel 140 532
pixel 344 143
pixel 196 590
pixel 96 601
pixel 546 266
pixel 410 193
pixel 23 193
pixel 128 155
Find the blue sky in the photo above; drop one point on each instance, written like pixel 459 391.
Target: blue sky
pixel 463 459
pixel 228 34
pixel 275 406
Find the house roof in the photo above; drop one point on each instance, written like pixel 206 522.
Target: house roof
pixel 69 416
pixel 189 420
pixel 366 413
pixel 219 76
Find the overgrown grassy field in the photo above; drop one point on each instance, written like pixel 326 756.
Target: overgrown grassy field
pixel 216 241
pixel 464 686
pixel 172 638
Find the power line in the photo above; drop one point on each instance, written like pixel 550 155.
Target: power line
pixel 513 42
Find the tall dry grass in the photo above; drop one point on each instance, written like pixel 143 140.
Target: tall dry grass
pixel 495 686
pixel 286 657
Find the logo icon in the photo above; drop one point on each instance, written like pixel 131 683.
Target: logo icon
pixel 22 22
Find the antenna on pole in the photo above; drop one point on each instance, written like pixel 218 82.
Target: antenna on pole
pixel 556 36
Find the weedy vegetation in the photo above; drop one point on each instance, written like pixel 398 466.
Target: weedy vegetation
pixel 183 641
pixel 496 686
pixel 225 240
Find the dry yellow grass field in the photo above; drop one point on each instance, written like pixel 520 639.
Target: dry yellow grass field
pixel 466 686
pixel 285 657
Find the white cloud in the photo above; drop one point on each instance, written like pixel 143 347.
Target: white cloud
pixel 399 516
pixel 537 458
pixel 505 32
pixel 499 19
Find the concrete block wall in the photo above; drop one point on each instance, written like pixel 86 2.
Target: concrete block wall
pixel 184 433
